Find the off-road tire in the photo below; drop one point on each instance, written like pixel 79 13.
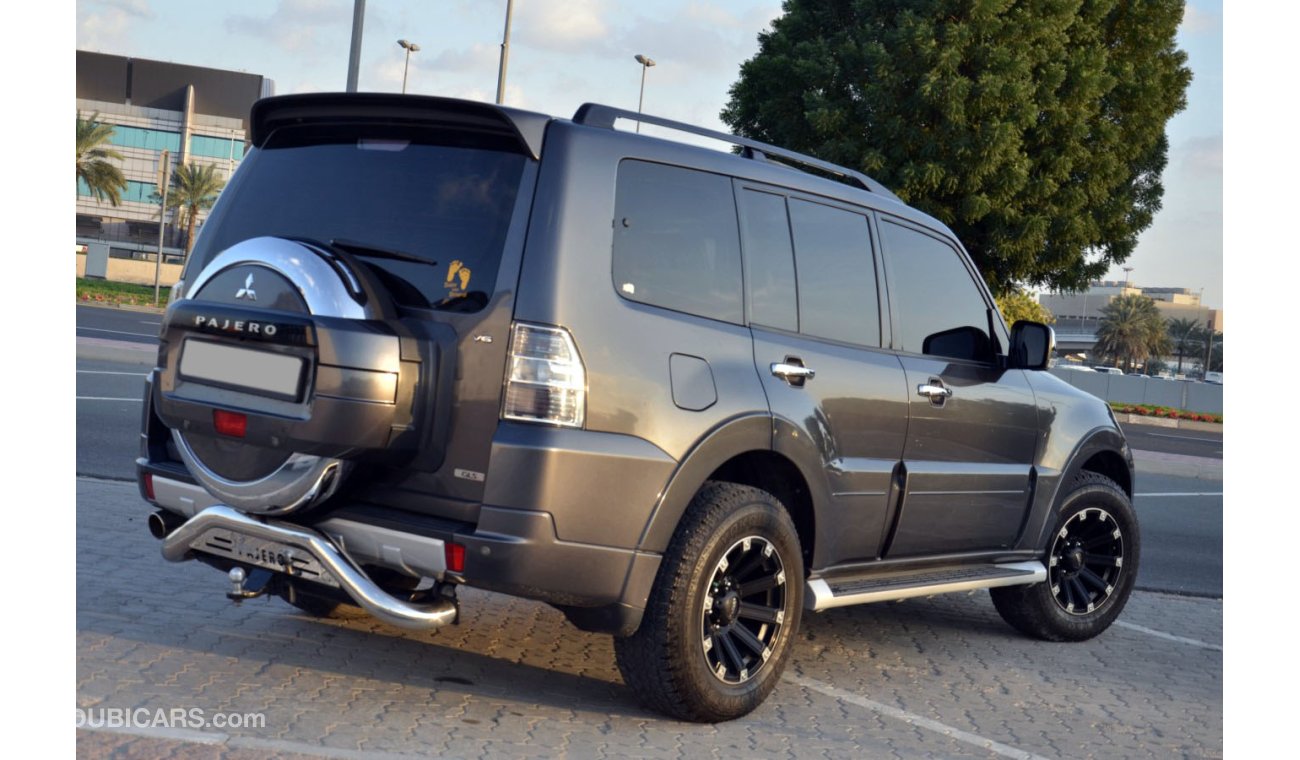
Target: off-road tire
pixel 1035 610
pixel 665 661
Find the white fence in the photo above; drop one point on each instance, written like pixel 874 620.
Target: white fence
pixel 1130 389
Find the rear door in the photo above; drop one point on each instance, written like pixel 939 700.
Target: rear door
pixel 814 309
pixel 438 210
pixel 973 425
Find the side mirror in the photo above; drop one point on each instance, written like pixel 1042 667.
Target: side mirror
pixel 1032 344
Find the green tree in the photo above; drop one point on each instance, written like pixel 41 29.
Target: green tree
pixel 95 165
pixel 1185 334
pixel 193 190
pixel 1131 331
pixel 1034 128
pixel 1016 305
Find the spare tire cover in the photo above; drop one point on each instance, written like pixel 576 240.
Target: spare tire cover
pixel 288 276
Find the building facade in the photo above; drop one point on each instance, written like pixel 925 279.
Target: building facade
pixel 1083 310
pixel 198 115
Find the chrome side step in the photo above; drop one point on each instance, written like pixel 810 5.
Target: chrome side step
pixel 823 594
pixel 219 526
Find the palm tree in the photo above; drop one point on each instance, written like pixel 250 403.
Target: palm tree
pixel 193 189
pixel 94 166
pixel 1184 334
pixel 1131 330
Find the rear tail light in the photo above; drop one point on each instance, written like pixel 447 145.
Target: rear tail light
pixel 148 486
pixel 455 557
pixel 545 379
pixel 232 424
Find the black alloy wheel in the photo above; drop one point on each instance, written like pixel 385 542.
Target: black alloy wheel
pixel 744 610
pixel 1086 561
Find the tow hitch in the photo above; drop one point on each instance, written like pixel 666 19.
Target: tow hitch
pixel 245 585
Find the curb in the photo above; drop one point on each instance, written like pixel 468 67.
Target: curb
pixel 102 349
pixel 1165 422
pixel 123 306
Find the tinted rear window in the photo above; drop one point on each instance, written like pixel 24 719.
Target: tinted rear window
pixel 447 205
pixel 837 274
pixel 676 240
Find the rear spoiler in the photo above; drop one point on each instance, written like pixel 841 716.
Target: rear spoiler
pixel 524 128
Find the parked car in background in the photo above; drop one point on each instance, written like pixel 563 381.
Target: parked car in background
pixel 1109 370
pixel 1214 377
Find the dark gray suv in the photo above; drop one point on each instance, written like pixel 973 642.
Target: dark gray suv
pixel 685 396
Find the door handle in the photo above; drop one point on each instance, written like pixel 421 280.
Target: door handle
pixel 934 392
pixel 792 372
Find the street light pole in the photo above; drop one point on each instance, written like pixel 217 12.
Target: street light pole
pixel 645 64
pixel 411 47
pixel 505 55
pixel 164 179
pixel 354 56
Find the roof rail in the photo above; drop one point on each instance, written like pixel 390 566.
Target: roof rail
pixel 597 115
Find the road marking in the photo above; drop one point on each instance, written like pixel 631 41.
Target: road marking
pixel 255 743
pixel 1183 493
pixel 1168 636
pixel 106 372
pixel 907 717
pixel 107 398
pixel 117 332
pixel 1187 438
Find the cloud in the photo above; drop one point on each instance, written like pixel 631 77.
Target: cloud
pixel 137 8
pixel 561 26
pixel 1197 21
pixel 479 57
pixel 105 29
pixel 294 24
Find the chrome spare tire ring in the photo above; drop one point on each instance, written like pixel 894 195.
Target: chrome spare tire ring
pixel 327 288
pixel 301 481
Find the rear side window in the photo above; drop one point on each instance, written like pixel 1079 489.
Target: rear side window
pixel 940 309
pixel 836 273
pixel 769 260
pixel 676 240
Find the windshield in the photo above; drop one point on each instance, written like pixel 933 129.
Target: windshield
pixel 447 206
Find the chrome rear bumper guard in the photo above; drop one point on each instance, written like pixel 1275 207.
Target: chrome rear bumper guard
pixel 179 546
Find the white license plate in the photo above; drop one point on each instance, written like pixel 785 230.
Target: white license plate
pixel 242 368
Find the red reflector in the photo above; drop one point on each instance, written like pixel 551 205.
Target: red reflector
pixel 232 424
pixel 148 486
pixel 456 558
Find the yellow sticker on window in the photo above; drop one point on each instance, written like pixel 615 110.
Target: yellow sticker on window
pixel 457 279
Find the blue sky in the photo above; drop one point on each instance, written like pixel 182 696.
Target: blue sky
pixel 563 54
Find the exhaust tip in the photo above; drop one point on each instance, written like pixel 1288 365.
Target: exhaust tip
pixel 162 523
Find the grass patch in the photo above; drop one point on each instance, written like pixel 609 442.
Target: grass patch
pixel 1167 412
pixel 105 292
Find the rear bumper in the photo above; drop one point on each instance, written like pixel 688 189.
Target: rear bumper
pixel 512 551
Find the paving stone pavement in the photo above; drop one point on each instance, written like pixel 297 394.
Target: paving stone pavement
pixel 938 677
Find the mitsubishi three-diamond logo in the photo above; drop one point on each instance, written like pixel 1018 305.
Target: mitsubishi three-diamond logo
pixel 247 291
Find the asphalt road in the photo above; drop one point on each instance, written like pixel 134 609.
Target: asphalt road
pixel 118 324
pixel 1197 443
pixel 1179 484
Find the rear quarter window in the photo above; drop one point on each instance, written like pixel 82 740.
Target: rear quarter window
pixel 677 241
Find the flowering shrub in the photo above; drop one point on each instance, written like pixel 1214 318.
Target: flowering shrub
pixel 1165 412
